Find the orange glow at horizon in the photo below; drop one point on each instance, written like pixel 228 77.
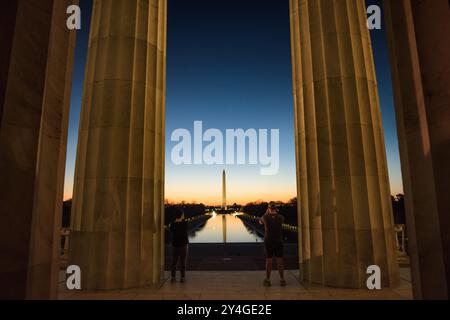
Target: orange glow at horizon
pixel 212 194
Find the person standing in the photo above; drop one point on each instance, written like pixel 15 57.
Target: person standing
pixel 180 242
pixel 273 240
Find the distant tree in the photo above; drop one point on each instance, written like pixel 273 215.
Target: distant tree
pixel 190 211
pixel 288 210
pixel 256 209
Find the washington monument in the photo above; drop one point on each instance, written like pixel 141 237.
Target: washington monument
pixel 224 190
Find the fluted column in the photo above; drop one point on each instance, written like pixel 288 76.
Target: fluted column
pixel 118 211
pixel 421 81
pixel 345 213
pixel 36 60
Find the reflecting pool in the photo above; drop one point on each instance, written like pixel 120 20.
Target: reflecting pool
pixel 225 228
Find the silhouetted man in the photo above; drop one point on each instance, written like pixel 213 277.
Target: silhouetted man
pixel 180 242
pixel 273 239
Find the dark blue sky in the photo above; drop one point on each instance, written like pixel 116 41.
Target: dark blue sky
pixel 229 65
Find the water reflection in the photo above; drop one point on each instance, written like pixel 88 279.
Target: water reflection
pixel 224 228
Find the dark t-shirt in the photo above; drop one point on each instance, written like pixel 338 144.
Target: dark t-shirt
pixel 179 233
pixel 273 225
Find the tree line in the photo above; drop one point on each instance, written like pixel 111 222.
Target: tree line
pixel 257 209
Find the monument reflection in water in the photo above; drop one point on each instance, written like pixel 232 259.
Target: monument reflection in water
pixel 225 228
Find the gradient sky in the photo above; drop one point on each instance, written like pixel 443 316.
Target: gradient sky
pixel 229 65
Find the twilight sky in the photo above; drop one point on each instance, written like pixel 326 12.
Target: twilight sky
pixel 229 65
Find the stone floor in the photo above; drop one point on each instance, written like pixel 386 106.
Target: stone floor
pixel 232 256
pixel 244 285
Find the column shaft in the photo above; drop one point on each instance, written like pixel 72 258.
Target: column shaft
pixel 421 78
pixel 117 215
pixel 345 213
pixel 36 71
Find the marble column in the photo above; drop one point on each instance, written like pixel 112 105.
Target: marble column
pixel 36 60
pixel 345 213
pixel 118 211
pixel 419 45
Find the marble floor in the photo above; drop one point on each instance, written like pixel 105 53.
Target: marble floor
pixel 243 285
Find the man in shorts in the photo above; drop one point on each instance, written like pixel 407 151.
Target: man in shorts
pixel 273 239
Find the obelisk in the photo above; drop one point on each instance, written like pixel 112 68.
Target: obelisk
pixel 224 228
pixel 118 206
pixel 345 213
pixel 224 190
